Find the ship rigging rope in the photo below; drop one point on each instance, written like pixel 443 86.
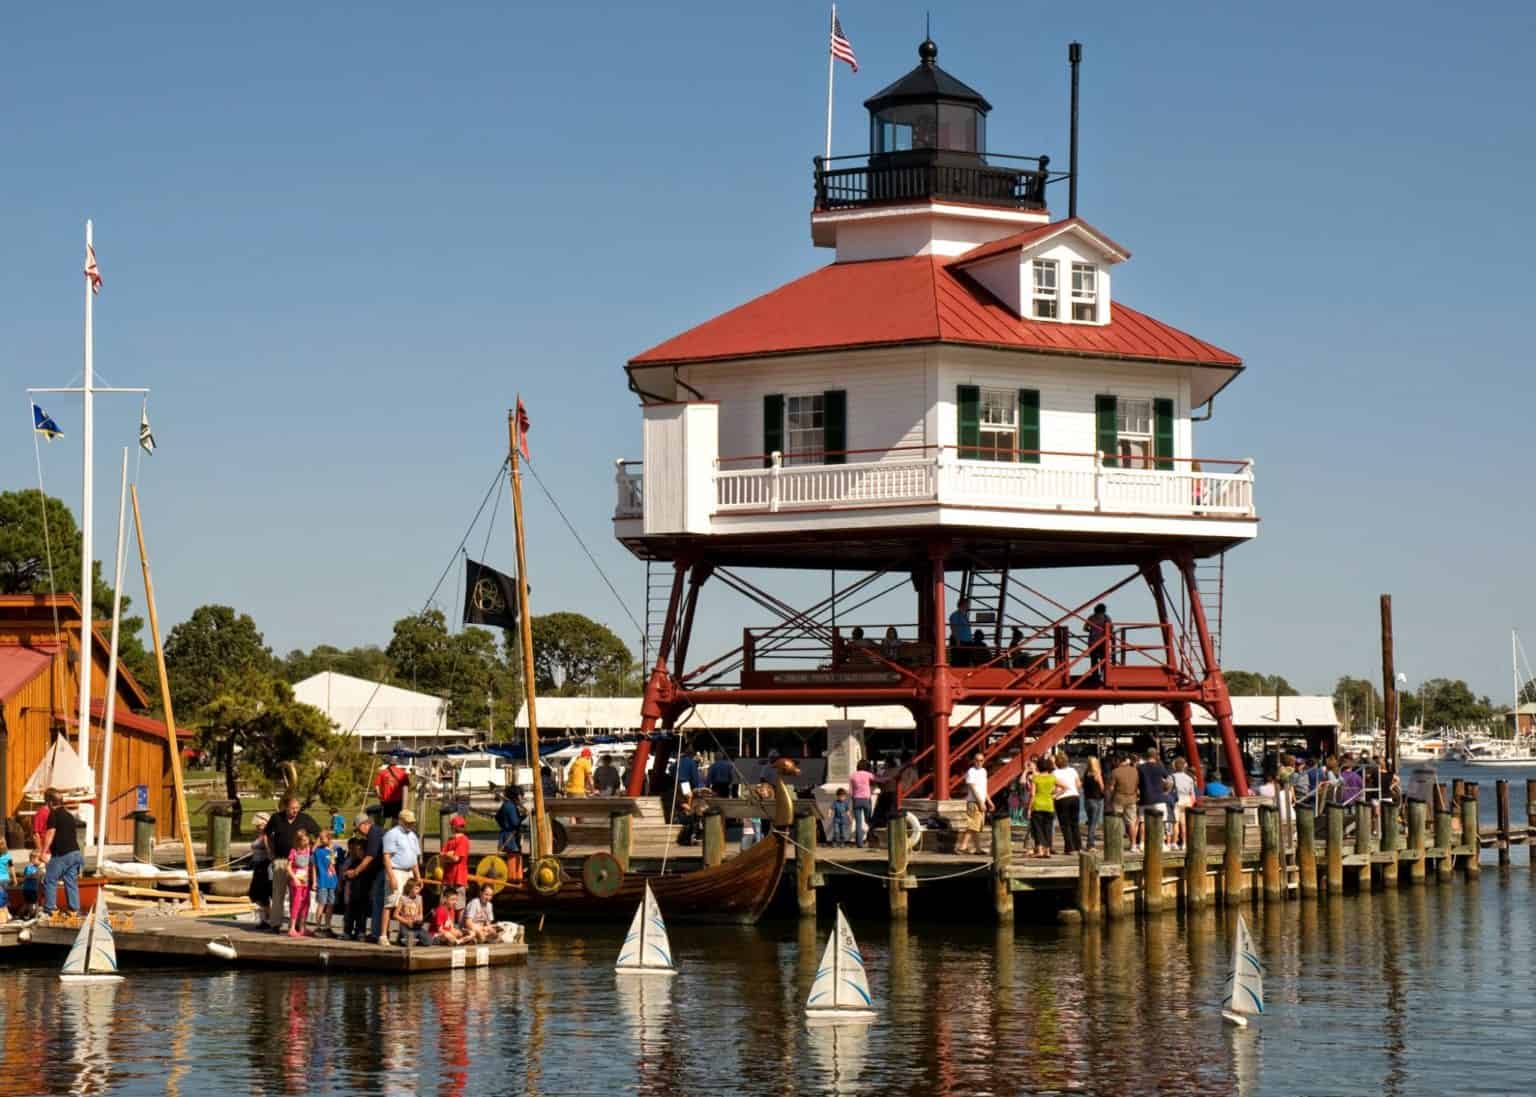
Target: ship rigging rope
pixel 42 505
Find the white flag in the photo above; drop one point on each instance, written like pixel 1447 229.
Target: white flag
pixel 146 436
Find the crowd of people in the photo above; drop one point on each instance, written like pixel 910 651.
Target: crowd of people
pixel 302 879
pixel 50 859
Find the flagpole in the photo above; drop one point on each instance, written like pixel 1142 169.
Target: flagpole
pixel 541 830
pixel 102 818
pixel 87 430
pixel 830 65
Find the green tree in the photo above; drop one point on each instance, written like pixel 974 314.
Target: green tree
pixel 253 726
pixel 1246 683
pixel 1450 703
pixel 368 662
pixel 24 569
pixel 464 667
pixel 1528 692
pixel 573 653
pixel 210 649
pixel 1357 702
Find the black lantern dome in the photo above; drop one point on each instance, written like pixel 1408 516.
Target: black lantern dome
pixel 928 109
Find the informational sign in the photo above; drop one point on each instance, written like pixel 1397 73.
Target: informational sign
pixel 141 798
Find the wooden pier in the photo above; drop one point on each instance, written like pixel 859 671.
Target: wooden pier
pixel 186 940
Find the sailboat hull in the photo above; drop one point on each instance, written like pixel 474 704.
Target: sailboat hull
pixel 840 1016
pixel 738 890
pixel 1234 1018
pixel 90 978
pixel 664 972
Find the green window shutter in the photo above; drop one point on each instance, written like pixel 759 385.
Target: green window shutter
pixel 1162 433
pixel 1029 425
pixel 773 427
pixel 1106 416
pixel 968 437
pixel 834 419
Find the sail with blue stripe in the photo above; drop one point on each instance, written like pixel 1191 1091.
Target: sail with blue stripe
pixel 1245 986
pixel 840 991
pixel 646 950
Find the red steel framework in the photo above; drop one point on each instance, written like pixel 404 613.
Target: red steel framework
pixel 1013 703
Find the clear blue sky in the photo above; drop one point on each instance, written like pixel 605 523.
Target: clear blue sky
pixel 338 239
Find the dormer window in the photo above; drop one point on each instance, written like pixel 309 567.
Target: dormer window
pixel 1046 294
pixel 1085 292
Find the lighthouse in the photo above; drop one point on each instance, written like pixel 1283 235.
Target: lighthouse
pixel 949 414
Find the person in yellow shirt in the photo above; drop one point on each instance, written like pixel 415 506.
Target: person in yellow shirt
pixel 578 779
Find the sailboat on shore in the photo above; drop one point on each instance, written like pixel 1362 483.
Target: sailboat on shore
pixel 1245 986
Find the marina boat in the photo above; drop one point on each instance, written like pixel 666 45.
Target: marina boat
pixel 93 957
pixel 1423 749
pixel 840 993
pixel 1520 750
pixel 1245 986
pixel 738 890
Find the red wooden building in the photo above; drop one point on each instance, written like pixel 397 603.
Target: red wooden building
pixel 956 407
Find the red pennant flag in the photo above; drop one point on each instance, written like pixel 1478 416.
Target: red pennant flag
pixel 91 273
pixel 522 429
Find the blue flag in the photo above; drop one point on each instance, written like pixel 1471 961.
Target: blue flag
pixel 43 423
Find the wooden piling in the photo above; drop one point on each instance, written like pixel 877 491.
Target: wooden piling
pixel 805 865
pixel 1470 831
pixel 714 838
pixel 1232 885
pixel 1087 887
pixel 1002 861
pixel 1195 895
pixel 1114 854
pixel 1444 839
pixel 1418 841
pixel 1269 853
pixel 1389 843
pixel 620 839
pixel 896 863
pixel 1530 815
pixel 1362 827
pixel 1152 861
pixel 1306 851
pixel 1501 800
pixel 1458 794
pixel 144 837
pixel 1335 849
pixel 218 837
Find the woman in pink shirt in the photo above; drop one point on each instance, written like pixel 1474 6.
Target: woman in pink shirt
pixel 861 787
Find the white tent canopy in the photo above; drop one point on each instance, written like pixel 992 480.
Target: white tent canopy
pixel 377 712
pixel 61 769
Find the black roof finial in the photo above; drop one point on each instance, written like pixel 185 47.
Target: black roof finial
pixel 928 52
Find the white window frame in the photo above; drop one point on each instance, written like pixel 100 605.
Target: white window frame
pixel 1085 292
pixel 805 445
pixel 1046 298
pixel 1135 448
pixel 1003 427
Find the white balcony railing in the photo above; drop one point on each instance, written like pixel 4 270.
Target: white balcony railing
pixel 1065 482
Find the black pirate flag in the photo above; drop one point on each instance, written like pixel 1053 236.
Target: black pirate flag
pixel 490 598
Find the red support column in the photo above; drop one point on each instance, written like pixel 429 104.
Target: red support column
pixel 1181 712
pixel 656 686
pixel 1221 706
pixel 941 700
pixel 695 581
pixel 1154 576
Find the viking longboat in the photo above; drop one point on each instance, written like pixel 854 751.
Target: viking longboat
pixel 738 890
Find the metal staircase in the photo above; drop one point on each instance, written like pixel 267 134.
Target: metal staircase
pixel 658 591
pixel 1211 577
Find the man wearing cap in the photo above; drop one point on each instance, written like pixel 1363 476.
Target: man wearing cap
pixel 367 876
pixel 282 830
pixel 455 855
pixel 402 861
pixel 578 779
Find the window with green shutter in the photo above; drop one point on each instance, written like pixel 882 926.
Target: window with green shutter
pixel 773 427
pixel 1162 434
pixel 968 434
pixel 1029 426
pixel 1108 434
pixel 834 403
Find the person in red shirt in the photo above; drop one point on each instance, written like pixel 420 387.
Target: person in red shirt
pixel 455 855
pixel 391 784
pixel 445 919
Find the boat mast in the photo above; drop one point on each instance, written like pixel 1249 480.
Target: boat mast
pixel 541 836
pixel 87 431
pixel 102 818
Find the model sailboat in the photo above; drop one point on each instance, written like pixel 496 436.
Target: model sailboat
pixel 646 949
pixel 840 992
pixel 1245 986
pixel 93 957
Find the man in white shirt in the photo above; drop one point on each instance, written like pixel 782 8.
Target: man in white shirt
pixel 1184 799
pixel 977 803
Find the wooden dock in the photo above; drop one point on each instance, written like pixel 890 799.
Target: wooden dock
pixel 186 940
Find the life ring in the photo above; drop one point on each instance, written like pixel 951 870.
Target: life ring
pixel 914 831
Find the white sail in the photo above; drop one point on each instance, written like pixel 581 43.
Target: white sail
pixel 646 950
pixel 93 956
pixel 840 991
pixel 1245 986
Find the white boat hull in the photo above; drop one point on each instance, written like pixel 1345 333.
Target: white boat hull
pixel 840 1016
pixel 1234 1018
pixel 665 972
pixel 90 978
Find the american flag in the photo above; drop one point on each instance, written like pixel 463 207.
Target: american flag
pixel 842 49
pixel 91 273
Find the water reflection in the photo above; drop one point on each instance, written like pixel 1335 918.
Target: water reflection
pixel 1367 997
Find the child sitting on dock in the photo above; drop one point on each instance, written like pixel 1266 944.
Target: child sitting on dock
pixel 445 920
pixel 842 809
pixel 301 878
pixel 31 884
pixel 325 881
pixel 479 918
pixel 408 918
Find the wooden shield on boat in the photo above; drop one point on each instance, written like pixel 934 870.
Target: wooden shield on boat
pixel 601 875
pixel 558 838
pixel 546 875
pixel 492 870
pixel 432 871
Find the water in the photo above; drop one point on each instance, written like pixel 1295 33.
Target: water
pixel 1425 990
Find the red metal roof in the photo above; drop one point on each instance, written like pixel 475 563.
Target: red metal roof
pixel 18 666
pixel 130 722
pixel 916 299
